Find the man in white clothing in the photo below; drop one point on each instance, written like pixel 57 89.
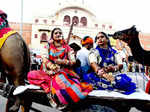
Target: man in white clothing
pixel 82 55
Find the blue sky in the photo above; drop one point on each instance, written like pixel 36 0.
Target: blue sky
pixel 122 13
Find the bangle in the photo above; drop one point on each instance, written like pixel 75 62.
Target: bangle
pixel 103 75
pixel 47 62
pixel 66 62
pixel 52 66
pixel 98 70
pixel 116 68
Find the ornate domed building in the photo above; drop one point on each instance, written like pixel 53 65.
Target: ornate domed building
pixel 86 23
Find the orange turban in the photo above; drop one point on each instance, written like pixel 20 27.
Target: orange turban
pixel 88 40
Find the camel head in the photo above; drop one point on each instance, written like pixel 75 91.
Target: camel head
pixel 125 35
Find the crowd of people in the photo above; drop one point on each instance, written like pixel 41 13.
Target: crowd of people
pixel 35 62
pixel 67 76
pixel 129 64
pixel 134 66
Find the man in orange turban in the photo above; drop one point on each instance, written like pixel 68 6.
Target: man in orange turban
pixel 82 55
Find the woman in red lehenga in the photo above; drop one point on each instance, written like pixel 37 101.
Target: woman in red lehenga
pixel 57 77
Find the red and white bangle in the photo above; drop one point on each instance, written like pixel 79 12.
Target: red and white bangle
pixel 47 62
pixel 100 72
pixel 66 62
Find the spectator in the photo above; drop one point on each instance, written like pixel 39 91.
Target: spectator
pixel 82 55
pixel 125 65
pixel 34 62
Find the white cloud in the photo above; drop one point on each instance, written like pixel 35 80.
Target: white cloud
pixel 123 13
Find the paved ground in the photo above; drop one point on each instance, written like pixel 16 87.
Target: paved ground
pixel 138 78
pixel 39 107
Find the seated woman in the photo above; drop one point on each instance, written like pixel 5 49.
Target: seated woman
pixel 56 77
pixel 106 64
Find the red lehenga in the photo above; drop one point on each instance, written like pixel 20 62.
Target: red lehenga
pixel 64 86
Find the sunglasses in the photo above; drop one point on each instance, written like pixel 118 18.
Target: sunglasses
pixel 58 33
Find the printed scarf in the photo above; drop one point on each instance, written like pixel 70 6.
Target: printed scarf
pixel 5 31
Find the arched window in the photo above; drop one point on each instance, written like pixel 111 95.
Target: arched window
pixel 83 21
pixel 75 19
pixel 35 35
pixel 36 20
pixel 66 20
pixel 45 21
pixel 110 26
pixel 103 26
pixel 96 25
pixel 44 37
pixel 53 22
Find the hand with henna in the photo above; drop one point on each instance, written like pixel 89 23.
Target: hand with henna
pixel 109 68
pixel 100 72
pixel 103 74
pixel 58 61
pixel 61 61
pixel 109 77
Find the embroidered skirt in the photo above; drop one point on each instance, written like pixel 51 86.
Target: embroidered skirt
pixel 122 83
pixel 64 86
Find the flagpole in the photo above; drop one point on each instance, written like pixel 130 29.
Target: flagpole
pixel 21 23
pixel 83 2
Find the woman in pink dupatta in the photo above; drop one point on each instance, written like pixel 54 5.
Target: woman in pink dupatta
pixel 56 76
